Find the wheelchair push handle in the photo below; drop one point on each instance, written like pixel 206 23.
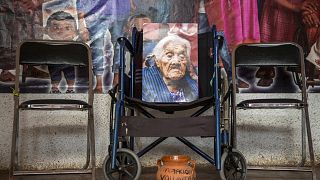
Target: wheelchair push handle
pixel 123 41
pixel 220 38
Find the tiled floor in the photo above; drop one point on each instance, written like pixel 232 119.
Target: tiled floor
pixel 203 173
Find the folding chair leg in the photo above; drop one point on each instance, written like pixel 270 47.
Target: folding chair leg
pixel 303 139
pixel 92 146
pixel 86 165
pixel 14 145
pixel 311 152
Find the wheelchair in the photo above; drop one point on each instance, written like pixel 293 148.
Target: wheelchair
pixel 126 121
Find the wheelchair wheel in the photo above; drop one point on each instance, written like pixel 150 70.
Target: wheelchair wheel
pixel 233 165
pixel 128 166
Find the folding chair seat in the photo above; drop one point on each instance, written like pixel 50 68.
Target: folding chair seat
pixel 288 55
pixel 72 53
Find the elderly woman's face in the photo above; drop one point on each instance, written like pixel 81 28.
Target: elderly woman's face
pixel 173 62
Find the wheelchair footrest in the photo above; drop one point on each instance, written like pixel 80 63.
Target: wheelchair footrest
pixel 167 127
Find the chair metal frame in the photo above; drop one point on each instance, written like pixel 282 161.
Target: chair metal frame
pixel 77 53
pixel 284 54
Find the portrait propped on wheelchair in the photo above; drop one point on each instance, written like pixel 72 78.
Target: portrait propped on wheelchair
pixel 175 56
pixel 169 70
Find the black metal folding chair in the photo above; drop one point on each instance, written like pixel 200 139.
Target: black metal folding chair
pixel 45 53
pixel 287 55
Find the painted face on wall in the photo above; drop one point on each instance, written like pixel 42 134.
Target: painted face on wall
pixel 173 62
pixel 62 30
pixel 138 22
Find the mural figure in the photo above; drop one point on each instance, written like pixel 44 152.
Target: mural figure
pixel 135 20
pixel 142 11
pixel 308 35
pixel 98 15
pixel 280 20
pixel 314 55
pixel 61 26
pixel 157 10
pixel 311 19
pixel 178 16
pixel 236 21
pixel 17 23
pixel 6 28
pixel 100 22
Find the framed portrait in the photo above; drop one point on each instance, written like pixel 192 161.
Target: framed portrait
pixel 170 62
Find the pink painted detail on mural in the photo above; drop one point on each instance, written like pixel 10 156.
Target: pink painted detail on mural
pixel 238 19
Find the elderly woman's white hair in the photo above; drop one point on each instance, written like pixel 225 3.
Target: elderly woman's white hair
pixel 158 49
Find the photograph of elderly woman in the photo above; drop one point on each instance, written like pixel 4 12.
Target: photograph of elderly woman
pixel 170 53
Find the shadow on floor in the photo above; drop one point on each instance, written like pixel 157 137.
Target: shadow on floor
pixel 203 173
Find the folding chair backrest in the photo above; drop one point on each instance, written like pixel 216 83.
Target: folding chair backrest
pixel 283 54
pixel 49 52
pixel 273 54
pixel 53 52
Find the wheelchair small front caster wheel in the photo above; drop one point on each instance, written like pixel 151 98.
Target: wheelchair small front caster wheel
pixel 128 166
pixel 233 165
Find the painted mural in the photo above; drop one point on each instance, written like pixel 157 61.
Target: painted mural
pixel 100 22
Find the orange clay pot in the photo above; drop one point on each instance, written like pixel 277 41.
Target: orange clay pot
pixel 176 167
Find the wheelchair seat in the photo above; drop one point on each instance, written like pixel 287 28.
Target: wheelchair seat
pixel 171 107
